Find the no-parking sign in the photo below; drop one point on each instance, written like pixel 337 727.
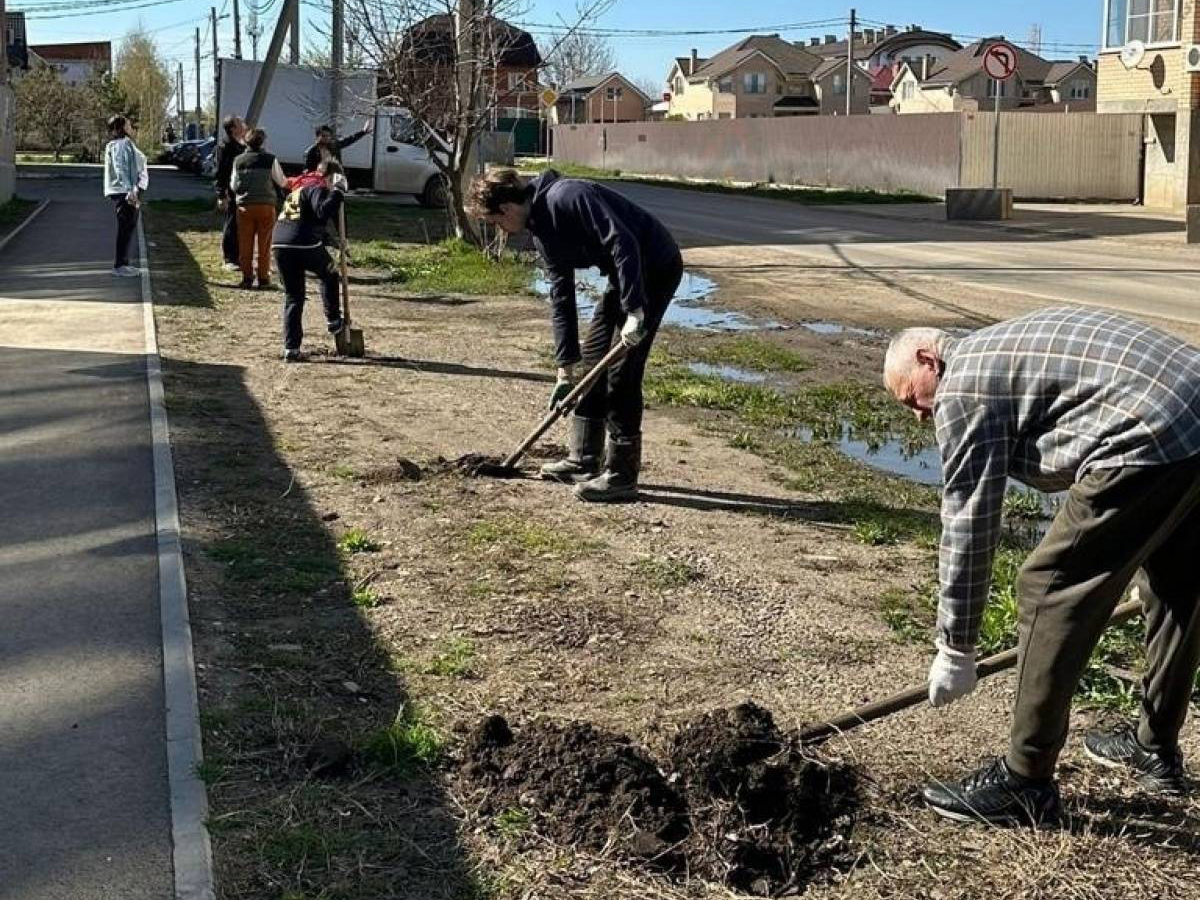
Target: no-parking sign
pixel 1000 60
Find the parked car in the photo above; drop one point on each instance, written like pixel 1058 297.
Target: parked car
pixel 184 151
pixel 206 149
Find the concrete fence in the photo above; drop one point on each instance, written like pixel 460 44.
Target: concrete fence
pixel 7 143
pixel 1068 156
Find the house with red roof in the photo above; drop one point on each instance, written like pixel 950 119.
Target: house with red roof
pixel 75 63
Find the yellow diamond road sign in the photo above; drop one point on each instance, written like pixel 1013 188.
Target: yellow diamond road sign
pixel 548 96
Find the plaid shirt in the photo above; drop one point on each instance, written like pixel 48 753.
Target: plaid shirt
pixel 1048 398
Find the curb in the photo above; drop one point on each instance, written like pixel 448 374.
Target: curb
pixel 192 852
pixel 29 218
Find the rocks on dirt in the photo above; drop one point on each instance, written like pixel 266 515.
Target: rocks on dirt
pixel 737 801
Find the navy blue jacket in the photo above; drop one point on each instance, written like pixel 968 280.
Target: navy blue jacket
pixel 301 222
pixel 580 224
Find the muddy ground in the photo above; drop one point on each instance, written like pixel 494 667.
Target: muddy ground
pixel 359 609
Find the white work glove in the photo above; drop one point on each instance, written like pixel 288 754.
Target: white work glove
pixel 631 331
pixel 952 675
pixel 339 183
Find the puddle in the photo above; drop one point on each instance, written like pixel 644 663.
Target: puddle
pixel 888 453
pixel 834 329
pixel 729 373
pixel 689 309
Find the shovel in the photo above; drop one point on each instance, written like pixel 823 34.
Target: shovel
pixel 478 465
pixel 815 734
pixel 349 341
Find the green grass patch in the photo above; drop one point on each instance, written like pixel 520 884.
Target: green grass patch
pixel 342 471
pixel 455 660
pixel 664 573
pixel 357 541
pixel 407 747
pixel 900 615
pixel 752 354
pixel 1022 504
pixel 875 533
pixel 451 266
pixel 527 537
pixel 512 822
pixel 209 772
pixel 365 598
pixel 303 846
pixel 812 196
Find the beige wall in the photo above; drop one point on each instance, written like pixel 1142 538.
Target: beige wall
pixel 1156 85
pixel 835 104
pixel 1161 189
pixel 629 108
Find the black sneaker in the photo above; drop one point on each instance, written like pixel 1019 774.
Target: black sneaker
pixel 293 356
pixel 335 326
pixel 246 284
pixel 1120 749
pixel 995 795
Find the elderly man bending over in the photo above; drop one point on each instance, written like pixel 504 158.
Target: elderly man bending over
pixel 1107 409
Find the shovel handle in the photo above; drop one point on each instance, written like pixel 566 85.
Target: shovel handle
pixel 914 695
pixel 342 263
pixel 568 402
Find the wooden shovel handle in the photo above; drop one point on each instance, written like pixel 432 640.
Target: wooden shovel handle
pixel 567 404
pixel 914 695
pixel 342 263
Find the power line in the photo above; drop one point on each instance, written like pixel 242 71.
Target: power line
pixel 107 10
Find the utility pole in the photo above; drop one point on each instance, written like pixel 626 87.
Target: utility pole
pixel 199 112
pixel 263 85
pixel 337 59
pixel 179 101
pixel 294 53
pixel 254 28
pixel 850 63
pixel 216 68
pixel 237 30
pixel 4 51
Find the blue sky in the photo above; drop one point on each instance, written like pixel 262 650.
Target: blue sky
pixel 1069 27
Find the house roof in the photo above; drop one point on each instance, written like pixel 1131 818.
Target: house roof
pixel 896 42
pixel 833 65
pixel 969 61
pixel 433 38
pixel 790 59
pixel 1060 70
pixel 685 61
pixel 99 51
pixel 581 87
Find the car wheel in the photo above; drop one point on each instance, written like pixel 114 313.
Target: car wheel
pixel 434 195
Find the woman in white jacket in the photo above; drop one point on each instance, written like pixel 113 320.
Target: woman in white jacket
pixel 125 177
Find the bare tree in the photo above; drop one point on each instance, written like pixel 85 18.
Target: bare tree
pixel 451 64
pixel 579 54
pixel 651 87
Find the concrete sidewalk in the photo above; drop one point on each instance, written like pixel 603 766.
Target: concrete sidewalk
pixel 84 801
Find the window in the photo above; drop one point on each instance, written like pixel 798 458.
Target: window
pixel 1151 21
pixel 612 94
pixel 1081 89
pixel 754 83
pixel 679 84
pixel 839 84
pixel 722 115
pixel 725 85
pixel 991 90
pixel 403 130
pixel 908 90
pixel 516 80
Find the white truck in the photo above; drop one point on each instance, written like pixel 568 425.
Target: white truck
pixel 390 159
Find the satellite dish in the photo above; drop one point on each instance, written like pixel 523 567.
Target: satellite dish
pixel 1132 54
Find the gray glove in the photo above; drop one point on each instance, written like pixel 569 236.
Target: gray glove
pixel 339 183
pixel 562 387
pixel 952 674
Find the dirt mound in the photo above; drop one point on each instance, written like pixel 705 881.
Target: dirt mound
pixel 475 465
pixel 737 803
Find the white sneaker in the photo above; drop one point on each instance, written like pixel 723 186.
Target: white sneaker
pixel 231 267
pixel 127 272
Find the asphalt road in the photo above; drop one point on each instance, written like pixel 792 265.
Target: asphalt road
pixel 1138 264
pixel 84 805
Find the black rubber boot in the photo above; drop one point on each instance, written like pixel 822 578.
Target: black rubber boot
pixel 584 448
pixel 619 480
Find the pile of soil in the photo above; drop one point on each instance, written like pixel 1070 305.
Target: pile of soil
pixel 737 802
pixel 476 465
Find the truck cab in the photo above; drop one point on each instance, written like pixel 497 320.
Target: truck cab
pixel 402 159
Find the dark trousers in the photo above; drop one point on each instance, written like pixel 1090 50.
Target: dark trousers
pixel 1113 523
pixel 618 398
pixel 127 217
pixel 229 235
pixel 292 264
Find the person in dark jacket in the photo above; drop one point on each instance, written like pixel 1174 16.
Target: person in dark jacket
pixel 299 245
pixel 230 149
pixel 579 224
pixel 327 145
pixel 257 180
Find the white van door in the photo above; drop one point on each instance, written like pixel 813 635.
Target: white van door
pixel 402 163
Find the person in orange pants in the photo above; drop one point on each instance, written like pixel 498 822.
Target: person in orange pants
pixel 257 178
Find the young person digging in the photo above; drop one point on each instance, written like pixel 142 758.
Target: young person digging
pixel 579 224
